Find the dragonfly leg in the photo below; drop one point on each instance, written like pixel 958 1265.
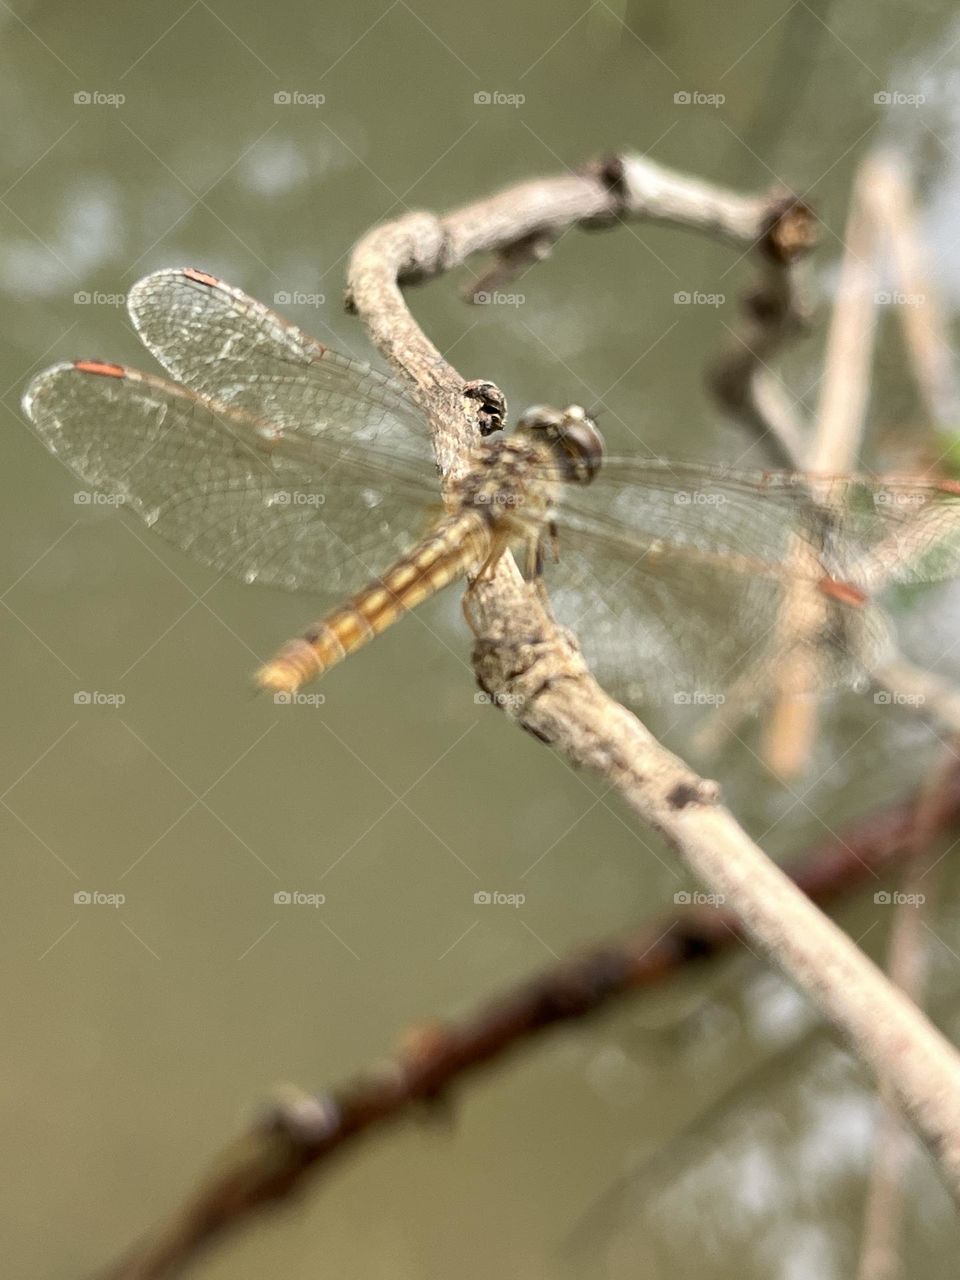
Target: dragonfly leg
pixel 489 566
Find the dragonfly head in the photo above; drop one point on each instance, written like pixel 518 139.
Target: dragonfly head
pixel 572 437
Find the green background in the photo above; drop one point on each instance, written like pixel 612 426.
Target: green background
pixel 710 1130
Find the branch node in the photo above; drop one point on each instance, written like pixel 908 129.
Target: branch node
pixel 704 791
pixel 611 172
pixel 492 405
pixel 789 229
pixel 306 1119
pixel 514 674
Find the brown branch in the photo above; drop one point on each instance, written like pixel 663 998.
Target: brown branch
pixel 301 1136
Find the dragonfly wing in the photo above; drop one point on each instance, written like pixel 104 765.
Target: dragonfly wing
pixel 230 348
pixel 868 530
pixel 259 504
pixel 688 597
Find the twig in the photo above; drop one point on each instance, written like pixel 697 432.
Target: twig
pixel 303 1136
pixel 774 313
pixel 534 669
pixel 917 299
pixel 833 449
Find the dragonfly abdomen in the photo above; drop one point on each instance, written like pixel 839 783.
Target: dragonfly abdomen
pixel 457 545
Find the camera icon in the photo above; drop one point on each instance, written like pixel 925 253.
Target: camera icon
pixel 82 898
pixel 483 98
pixel 282 898
pixel 683 897
pixel 482 898
pixel 882 898
pixel 481 299
pixel 883 98
pixel 682 299
pixel 282 298
pixel 282 98
pixel 81 498
pixel 82 98
pixel 682 98
pixel 883 299
pixel 883 698
pixel 81 698
pixel 282 699
pixel 81 298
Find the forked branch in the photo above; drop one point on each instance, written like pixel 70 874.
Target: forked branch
pixel 534 668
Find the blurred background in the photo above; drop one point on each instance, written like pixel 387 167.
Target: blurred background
pixel 712 1130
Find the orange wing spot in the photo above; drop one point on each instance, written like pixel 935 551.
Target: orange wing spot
pixel 101 367
pixel 201 277
pixel 949 486
pixel 844 592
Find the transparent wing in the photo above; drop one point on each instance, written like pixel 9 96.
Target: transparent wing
pixel 689 580
pixel 868 530
pixel 232 349
pixel 239 494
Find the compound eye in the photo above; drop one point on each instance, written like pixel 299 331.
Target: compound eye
pixel 583 445
pixel 538 418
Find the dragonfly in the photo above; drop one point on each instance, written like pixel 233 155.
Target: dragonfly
pixel 272 458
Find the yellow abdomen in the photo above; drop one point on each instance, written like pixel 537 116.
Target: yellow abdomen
pixel 457 545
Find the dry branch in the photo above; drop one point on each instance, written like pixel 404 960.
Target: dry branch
pixel 302 1136
pixel 535 669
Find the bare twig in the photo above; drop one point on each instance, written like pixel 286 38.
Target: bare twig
pixel 917 298
pixel 302 1136
pixel 774 313
pixel 833 449
pixel 535 669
